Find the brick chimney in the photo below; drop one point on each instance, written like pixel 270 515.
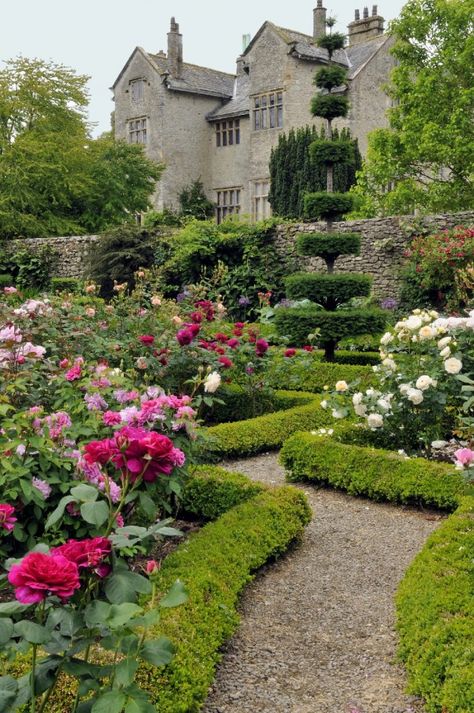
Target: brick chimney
pixel 319 21
pixel 364 29
pixel 175 50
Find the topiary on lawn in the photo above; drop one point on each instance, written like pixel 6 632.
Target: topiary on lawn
pixel 328 292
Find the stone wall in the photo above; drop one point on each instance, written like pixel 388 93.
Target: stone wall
pixel 73 252
pixel 384 241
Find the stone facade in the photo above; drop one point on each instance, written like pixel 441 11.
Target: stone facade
pixel 189 116
pixel 384 241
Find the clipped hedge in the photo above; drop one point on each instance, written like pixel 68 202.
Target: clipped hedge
pixel 298 323
pixel 326 244
pixel 435 611
pixel 215 565
pixel 211 491
pixel 237 406
pixel 294 373
pixel 328 290
pixel 327 206
pixel 265 433
pixel 375 473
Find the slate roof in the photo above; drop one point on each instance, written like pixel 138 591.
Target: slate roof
pixel 195 79
pixel 239 105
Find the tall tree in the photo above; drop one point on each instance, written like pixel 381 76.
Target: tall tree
pixel 425 160
pixel 54 178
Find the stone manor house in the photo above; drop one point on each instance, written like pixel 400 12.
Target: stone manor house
pixel 220 128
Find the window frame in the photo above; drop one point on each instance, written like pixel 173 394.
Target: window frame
pixel 133 84
pixel 228 202
pixel 268 110
pixel 261 208
pixel 137 133
pixel 227 133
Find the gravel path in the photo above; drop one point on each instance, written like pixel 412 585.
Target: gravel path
pixel 317 632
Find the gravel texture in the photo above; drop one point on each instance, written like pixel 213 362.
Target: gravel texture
pixel 317 632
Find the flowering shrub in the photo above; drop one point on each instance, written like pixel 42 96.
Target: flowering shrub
pixel 441 265
pixel 425 387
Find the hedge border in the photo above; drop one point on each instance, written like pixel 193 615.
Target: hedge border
pixel 372 472
pixel 435 616
pixel 215 564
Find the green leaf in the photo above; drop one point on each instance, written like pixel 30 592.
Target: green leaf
pixel 125 672
pixel 148 505
pixel 121 614
pixel 96 613
pixel 95 513
pixel 6 630
pixel 122 586
pixel 177 595
pixel 32 632
pixel 8 691
pixel 57 514
pixel 12 608
pixel 110 702
pixel 139 705
pixel 158 652
pixel 85 493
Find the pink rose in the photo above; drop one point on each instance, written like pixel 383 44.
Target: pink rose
pixel 74 373
pixel 147 339
pixel 87 554
pixel 7 521
pixel 465 456
pixel 111 418
pixel 39 575
pixel 289 353
pixel 261 347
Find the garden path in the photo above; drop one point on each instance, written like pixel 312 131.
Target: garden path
pixel 317 632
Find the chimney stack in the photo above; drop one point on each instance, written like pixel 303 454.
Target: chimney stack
pixel 361 30
pixel 319 21
pixel 175 50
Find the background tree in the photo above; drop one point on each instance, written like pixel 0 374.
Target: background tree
pixel 55 179
pixel 328 310
pixel 294 172
pixel 426 157
pixel 194 203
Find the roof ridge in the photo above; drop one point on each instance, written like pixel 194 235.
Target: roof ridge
pixel 296 32
pixel 197 66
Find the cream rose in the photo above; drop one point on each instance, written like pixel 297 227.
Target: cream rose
pixel 424 382
pixel 341 386
pixel 212 382
pixel 453 365
pixel 374 420
pixel 415 396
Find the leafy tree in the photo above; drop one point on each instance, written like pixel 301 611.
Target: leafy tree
pixel 294 171
pixel 194 202
pixel 55 179
pixel 426 157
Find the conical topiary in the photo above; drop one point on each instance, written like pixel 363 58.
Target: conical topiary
pixel 329 292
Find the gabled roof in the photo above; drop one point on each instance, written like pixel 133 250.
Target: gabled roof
pixel 194 79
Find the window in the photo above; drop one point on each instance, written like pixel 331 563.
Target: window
pixel 137 131
pixel 137 90
pixel 228 203
pixel 268 111
pixel 228 132
pixel 261 207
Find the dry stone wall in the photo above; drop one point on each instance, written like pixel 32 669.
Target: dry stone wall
pixel 73 252
pixel 384 242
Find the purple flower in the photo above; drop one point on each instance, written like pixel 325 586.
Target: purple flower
pixel 389 303
pixel 95 402
pixel 244 301
pixel 183 295
pixel 42 486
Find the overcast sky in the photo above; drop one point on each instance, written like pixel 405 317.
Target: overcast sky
pixel 96 37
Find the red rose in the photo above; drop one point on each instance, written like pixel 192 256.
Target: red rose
pixel 261 346
pixel 100 451
pixel 308 348
pixel 226 362
pixel 220 337
pixel 239 325
pixel 233 343
pixel 39 575
pixel 85 553
pixel 290 353
pixel 196 317
pixel 147 339
pixel 184 336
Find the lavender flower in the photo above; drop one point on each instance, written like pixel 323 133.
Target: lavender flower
pixel 389 303
pixel 42 486
pixel 244 301
pixel 95 402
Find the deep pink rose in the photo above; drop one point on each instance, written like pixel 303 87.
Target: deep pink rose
pixel 233 343
pixel 196 317
pixel 184 337
pixel 111 418
pixel 147 339
pixel 261 346
pixel 100 451
pixel 87 553
pixel 465 456
pixel 39 575
pixel 226 362
pixel 74 373
pixel 7 521
pixel 289 353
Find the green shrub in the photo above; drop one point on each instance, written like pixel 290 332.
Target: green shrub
pixel 238 407
pixel 194 202
pixel 312 374
pixel 7 280
pixel 329 106
pixel 342 356
pixel 328 244
pixel 328 290
pixel 297 323
pixel 263 433
pixel 328 151
pixel 33 268
pixel 327 206
pixel 66 284
pixel 215 565
pixel 361 343
pixel 435 616
pixel 211 491
pixel 377 474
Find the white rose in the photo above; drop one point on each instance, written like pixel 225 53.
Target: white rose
pixel 453 365
pixel 337 414
pixel 357 398
pixel 383 404
pixel 413 322
pixel 324 404
pixel 341 386
pixel 417 311
pixel 387 338
pixel 403 388
pixel 389 364
pixel 444 342
pixel 444 353
pixel 374 420
pixel 433 314
pixel 426 332
pixel 360 409
pixel 212 382
pixel 415 396
pixel 424 382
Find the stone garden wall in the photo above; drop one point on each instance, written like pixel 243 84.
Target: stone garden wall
pixel 384 240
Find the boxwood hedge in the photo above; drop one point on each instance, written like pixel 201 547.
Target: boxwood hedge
pixel 373 472
pixel 312 374
pixel 435 612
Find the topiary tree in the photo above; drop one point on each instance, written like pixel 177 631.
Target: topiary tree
pixel 329 292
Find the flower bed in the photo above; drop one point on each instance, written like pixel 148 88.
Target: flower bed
pixel 435 611
pixel 215 564
pixel 374 473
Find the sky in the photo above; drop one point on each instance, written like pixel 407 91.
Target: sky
pixel 96 37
